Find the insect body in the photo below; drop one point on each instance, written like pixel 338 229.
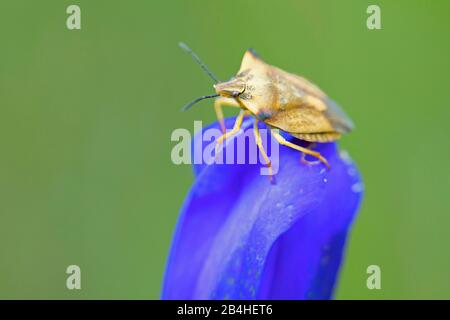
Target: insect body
pixel 281 100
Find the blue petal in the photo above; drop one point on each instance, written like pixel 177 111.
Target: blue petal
pixel 240 237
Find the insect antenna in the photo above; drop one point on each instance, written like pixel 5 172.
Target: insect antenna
pixel 189 105
pixel 185 47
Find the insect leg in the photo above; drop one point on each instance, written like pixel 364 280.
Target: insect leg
pixel 303 157
pixel 286 143
pixel 236 128
pixel 261 148
pixel 218 103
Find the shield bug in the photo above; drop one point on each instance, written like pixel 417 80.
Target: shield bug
pixel 281 100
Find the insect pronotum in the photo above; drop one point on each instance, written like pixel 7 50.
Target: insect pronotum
pixel 281 100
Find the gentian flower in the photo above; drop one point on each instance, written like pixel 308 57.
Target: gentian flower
pixel 241 237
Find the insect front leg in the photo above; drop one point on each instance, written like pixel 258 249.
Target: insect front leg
pixel 261 148
pixel 236 128
pixel 218 103
pixel 286 143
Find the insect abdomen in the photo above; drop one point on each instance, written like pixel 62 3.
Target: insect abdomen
pixel 318 137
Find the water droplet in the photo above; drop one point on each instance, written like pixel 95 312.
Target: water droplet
pixel 351 171
pixel 358 187
pixel 345 156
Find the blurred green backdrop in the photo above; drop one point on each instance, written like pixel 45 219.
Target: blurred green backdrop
pixel 86 118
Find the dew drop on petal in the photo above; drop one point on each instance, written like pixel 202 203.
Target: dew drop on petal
pixel 345 156
pixel 358 187
pixel 351 171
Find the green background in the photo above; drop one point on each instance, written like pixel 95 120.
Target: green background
pixel 86 118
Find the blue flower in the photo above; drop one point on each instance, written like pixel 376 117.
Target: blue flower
pixel 241 237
